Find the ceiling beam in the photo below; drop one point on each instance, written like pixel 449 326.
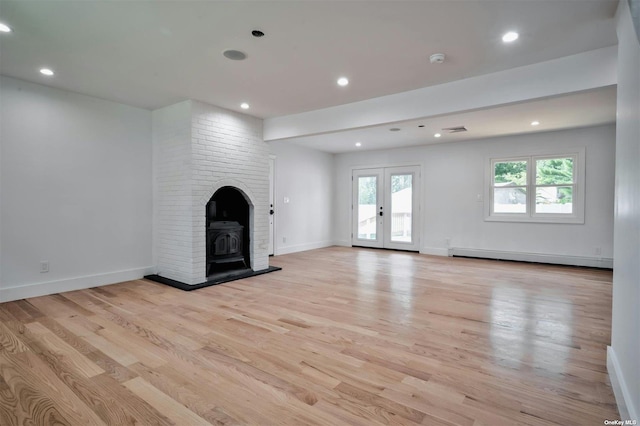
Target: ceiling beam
pixel 575 73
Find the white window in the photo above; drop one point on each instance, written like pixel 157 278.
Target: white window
pixel 537 188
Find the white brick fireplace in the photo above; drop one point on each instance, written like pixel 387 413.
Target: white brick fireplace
pixel 198 149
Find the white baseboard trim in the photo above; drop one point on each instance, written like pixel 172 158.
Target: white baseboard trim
pixel 302 247
pixel 594 262
pixel 8 294
pixel 620 390
pixel 435 251
pixel 342 243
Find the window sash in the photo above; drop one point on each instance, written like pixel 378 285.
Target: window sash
pixel 510 160
pixel 535 185
pixel 495 186
pixel 534 164
pixel 535 211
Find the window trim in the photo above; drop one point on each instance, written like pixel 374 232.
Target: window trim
pixel 577 217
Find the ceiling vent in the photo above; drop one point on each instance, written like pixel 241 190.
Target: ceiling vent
pixel 455 129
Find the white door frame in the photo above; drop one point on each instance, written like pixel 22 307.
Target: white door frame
pixel 414 245
pixel 377 242
pixel 384 207
pixel 272 201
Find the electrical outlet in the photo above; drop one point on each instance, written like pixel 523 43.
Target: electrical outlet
pixel 598 251
pixel 479 198
pixel 284 239
pixel 447 242
pixel 286 200
pixel 44 266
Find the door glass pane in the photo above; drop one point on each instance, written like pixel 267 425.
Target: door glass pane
pixel 554 199
pixel 401 207
pixel 367 196
pixel 510 200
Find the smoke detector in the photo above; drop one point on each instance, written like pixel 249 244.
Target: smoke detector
pixel 437 58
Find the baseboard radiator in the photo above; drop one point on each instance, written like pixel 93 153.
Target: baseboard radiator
pixel 558 259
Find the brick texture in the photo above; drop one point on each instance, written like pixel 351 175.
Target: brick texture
pixel 198 149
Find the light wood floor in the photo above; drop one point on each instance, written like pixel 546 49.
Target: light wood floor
pixel 339 336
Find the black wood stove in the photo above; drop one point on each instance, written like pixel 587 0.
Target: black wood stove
pixel 224 243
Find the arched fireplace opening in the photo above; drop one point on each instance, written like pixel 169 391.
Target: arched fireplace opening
pixel 228 229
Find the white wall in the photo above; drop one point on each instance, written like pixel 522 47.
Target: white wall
pixel 76 190
pixel 305 177
pixel 453 175
pixel 624 353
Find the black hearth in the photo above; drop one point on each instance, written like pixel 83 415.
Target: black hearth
pixel 227 233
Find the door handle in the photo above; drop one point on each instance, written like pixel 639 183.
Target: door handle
pixel 271 211
pixel 380 213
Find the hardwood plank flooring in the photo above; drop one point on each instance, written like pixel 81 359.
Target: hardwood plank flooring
pixel 339 336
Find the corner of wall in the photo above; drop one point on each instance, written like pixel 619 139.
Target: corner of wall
pixel 619 385
pixel 622 359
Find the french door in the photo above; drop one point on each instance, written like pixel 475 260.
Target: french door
pixel 386 208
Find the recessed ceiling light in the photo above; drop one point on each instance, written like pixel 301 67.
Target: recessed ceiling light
pixel 510 36
pixel 4 28
pixel 535 123
pixel 234 55
pixel 437 135
pixel 244 105
pixel 46 71
pixel 394 129
pixel 358 144
pixel 343 81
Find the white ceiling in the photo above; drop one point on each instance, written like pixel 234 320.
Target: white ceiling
pixel 155 53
